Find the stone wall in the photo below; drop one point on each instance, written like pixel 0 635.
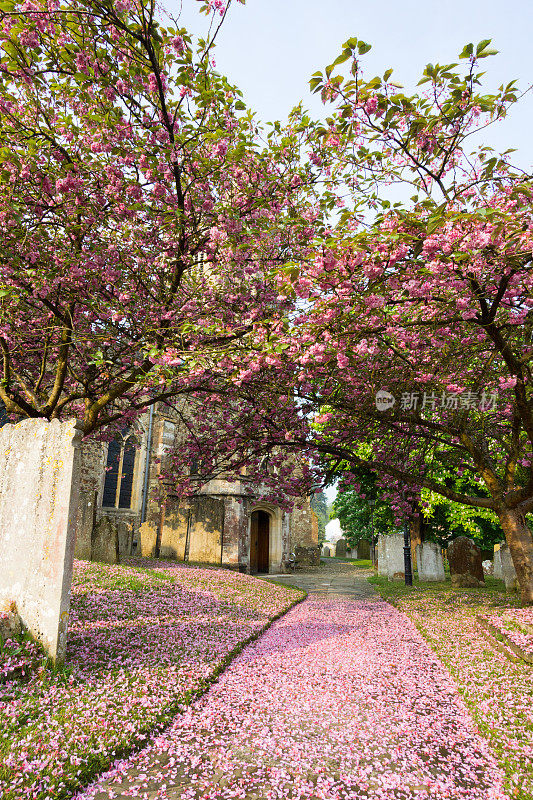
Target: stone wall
pixel 39 492
pixel 206 533
pixel 303 526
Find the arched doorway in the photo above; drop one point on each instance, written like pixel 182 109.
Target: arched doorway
pixel 260 542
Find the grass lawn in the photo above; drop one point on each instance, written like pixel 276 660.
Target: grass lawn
pixel 145 638
pixel 363 563
pixel 496 685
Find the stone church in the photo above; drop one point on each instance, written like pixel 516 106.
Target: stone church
pixel 124 509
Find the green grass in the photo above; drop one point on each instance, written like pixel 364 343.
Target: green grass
pixel 364 563
pixel 392 590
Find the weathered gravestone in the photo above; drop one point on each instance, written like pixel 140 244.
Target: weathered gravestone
pixel 395 557
pixel 464 558
pixel 488 567
pixel 340 549
pixel 391 562
pixel 147 540
pixel 382 557
pixel 363 549
pixel 508 570
pixel 430 562
pixel 326 552
pixel 105 546
pixel 85 522
pixel 125 538
pixel 39 491
pixel 497 572
pixel 176 521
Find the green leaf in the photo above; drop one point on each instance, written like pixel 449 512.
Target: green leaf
pixel 468 50
pixel 482 45
pixel 491 51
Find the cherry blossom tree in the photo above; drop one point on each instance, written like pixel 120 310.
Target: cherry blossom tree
pixel 142 209
pixel 429 301
pixel 409 350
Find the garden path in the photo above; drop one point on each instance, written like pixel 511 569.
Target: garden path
pixel 340 699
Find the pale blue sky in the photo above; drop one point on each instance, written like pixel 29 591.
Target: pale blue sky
pixel 270 48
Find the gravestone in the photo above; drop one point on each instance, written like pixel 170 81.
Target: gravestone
pixel 39 492
pixel 85 522
pixel 498 573
pixel 363 549
pixel 340 549
pixel 125 539
pixel 177 519
pixel 326 552
pixel 391 562
pixel 105 542
pixel 488 567
pixel 382 557
pixel 395 557
pixel 464 558
pixel 147 540
pixel 508 570
pixel 430 562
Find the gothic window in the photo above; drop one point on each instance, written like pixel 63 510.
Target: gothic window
pixel 120 468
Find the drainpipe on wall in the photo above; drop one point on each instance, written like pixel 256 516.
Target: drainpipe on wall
pixel 147 465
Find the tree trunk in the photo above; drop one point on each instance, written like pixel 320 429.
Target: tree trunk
pixel 520 541
pixel 417 529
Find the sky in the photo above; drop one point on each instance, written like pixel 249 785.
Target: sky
pixel 270 48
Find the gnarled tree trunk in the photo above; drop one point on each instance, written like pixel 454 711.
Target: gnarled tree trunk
pixel 520 541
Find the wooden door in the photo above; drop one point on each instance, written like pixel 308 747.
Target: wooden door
pixel 263 541
pixel 254 533
pixel 259 542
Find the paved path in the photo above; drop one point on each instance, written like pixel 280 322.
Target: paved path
pixel 341 699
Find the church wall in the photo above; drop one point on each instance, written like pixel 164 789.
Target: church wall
pixel 206 533
pixel 235 531
pixel 219 525
pixel 174 529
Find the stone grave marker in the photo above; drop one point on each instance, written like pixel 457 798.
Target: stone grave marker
pixel 430 562
pixel 395 557
pixel 39 492
pixel 326 552
pixel 363 549
pixel 382 557
pixel 498 573
pixel 147 540
pixel 508 570
pixel 464 558
pixel 391 562
pixel 105 542
pixel 340 549
pixel 125 538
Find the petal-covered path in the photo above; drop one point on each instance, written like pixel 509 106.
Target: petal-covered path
pixel 341 698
